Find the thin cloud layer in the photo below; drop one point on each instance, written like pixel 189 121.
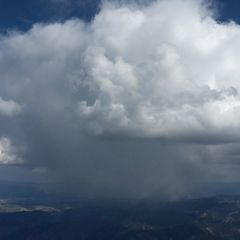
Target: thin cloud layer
pixel 134 102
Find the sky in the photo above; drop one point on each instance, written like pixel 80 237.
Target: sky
pixel 21 15
pixel 120 99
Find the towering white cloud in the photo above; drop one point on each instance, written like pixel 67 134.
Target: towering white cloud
pixel 163 70
pixel 166 70
pixel 162 77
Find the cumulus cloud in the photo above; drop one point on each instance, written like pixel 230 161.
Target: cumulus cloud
pixel 136 71
pixel 8 153
pixel 9 108
pixel 132 102
pixel 152 74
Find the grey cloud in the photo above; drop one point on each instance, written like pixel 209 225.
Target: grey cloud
pixel 9 108
pixel 142 100
pixel 8 153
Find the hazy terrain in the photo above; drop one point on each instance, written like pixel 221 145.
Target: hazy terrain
pixel 33 214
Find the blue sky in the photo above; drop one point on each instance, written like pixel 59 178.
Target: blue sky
pixel 229 9
pixel 22 14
